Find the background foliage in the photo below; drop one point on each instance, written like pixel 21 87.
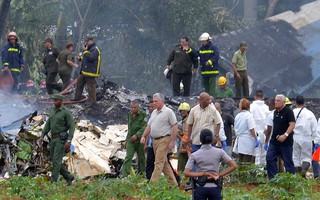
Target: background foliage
pixel 135 37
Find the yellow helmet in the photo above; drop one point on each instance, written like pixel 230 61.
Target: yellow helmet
pixel 222 81
pixel 184 106
pixel 288 102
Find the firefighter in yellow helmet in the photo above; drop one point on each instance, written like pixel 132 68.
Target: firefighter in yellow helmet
pixel 184 110
pixel 223 91
pixel 12 58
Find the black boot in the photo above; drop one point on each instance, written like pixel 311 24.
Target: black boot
pixel 298 170
pixel 305 167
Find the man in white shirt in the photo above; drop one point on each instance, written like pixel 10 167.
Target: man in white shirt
pixel 259 111
pixel 304 131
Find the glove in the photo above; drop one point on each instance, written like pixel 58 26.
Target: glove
pixel 256 142
pixel 265 146
pixel 224 144
pixel 316 146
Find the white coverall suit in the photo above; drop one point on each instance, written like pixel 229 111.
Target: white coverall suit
pixel 260 111
pixel 304 131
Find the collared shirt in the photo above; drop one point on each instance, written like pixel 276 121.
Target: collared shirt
pixel 240 60
pixel 259 111
pixel 281 120
pixel 306 124
pixel 161 122
pixel 60 120
pixel 245 143
pixel 202 118
pixel 136 124
pixel 207 159
pixel 63 58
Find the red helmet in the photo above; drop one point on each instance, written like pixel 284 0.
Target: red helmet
pixel 43 85
pixel 30 83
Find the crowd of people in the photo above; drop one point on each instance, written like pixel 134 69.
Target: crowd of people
pixel 261 133
pixel 184 61
pixel 57 65
pixel 258 133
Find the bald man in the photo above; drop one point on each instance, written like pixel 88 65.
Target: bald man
pixel 203 116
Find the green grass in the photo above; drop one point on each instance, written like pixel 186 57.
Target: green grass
pixel 282 187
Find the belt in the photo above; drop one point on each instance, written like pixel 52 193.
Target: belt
pixel 161 137
pixel 55 135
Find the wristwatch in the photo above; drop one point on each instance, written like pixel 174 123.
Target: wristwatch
pixel 286 134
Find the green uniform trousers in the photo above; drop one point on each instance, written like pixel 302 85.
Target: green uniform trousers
pixel 133 147
pixel 209 84
pixel 56 153
pixel 91 86
pixel 182 161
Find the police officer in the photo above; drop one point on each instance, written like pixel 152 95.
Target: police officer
pixel 137 122
pixel 207 168
pixel 61 125
pixel 12 58
pixel 90 69
pixel 51 66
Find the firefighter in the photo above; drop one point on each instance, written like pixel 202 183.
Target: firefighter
pixel 90 70
pixel 184 110
pixel 12 58
pixel 209 57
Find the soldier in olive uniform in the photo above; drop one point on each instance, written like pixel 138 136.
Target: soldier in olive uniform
pixel 136 124
pixel 51 66
pixel 60 121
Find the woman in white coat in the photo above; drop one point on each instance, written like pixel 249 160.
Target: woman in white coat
pixel 246 140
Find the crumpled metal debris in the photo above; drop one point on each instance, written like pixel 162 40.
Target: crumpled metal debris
pixel 94 149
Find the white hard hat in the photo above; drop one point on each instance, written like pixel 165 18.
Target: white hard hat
pixel 12 33
pixel 204 37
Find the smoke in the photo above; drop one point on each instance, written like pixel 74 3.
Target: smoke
pixel 12 108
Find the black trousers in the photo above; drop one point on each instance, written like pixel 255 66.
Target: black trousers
pixel 150 163
pixel 186 81
pixel 51 83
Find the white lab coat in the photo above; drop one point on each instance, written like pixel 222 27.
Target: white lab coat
pixel 305 129
pixel 260 112
pixel 244 143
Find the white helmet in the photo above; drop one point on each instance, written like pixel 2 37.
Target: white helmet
pixel 204 37
pixel 12 34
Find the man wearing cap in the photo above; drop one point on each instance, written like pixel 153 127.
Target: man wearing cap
pixel 66 65
pixel 209 62
pixel 90 70
pixel 51 66
pixel 12 58
pixel 223 91
pixel 61 125
pixel 239 65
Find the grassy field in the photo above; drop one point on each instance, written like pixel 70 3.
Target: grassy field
pixel 284 186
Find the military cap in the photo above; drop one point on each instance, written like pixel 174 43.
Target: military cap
pixel 57 97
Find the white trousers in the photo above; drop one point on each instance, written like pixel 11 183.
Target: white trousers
pixel 260 152
pixel 302 150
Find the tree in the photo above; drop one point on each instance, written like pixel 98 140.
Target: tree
pixel 4 10
pixel 272 4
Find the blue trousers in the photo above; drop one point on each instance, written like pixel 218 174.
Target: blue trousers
pixel 210 193
pixel 315 167
pixel 195 148
pixel 285 152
